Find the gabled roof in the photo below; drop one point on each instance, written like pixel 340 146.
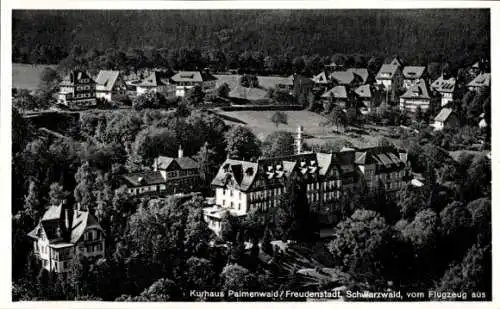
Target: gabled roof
pixel 80 222
pixel 183 162
pixel 192 76
pixel 342 77
pixel 444 85
pixel 482 80
pixel 338 92
pixel 385 157
pixel 396 61
pixel 106 80
pixel 363 91
pixel 320 78
pixel 443 115
pixel 144 178
pixel 74 77
pixel 154 79
pixel 417 91
pixel 361 72
pixel 249 170
pixel 413 72
pixel 241 92
pixel 387 71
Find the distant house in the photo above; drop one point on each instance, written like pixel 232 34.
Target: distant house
pixel 481 81
pixel 345 78
pixel 446 119
pixel 169 175
pixel 186 80
pixel 364 95
pixel 77 89
pixel 110 84
pixel 62 233
pixel 412 75
pixel 155 82
pixel 391 78
pixel 301 85
pixel 336 95
pixel 445 87
pixel 416 96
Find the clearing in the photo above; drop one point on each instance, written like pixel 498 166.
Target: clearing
pixel 260 123
pixel 27 76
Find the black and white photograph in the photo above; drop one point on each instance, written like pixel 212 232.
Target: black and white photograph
pixel 250 155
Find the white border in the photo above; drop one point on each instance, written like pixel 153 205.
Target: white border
pixel 5 133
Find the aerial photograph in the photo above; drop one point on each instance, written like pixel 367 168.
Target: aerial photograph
pixel 258 155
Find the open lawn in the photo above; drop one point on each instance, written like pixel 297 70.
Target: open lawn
pixel 26 76
pixel 260 123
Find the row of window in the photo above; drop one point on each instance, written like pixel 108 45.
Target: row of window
pixel 92 235
pixel 92 248
pixel 383 176
pixel 180 173
pixel 80 88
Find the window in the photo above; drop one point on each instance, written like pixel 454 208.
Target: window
pixel 239 194
pixel 239 206
pixel 45 263
pixel 231 193
pixel 64 265
pixel 223 202
pixel 223 191
pixel 232 204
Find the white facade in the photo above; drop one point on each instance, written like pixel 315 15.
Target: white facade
pixel 412 105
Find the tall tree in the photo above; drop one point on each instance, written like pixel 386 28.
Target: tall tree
pixel 242 144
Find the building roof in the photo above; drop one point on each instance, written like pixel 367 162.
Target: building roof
pixel 192 76
pixel 386 157
pixel 413 72
pixel 53 228
pixel 361 72
pixel 443 115
pixel 482 80
pixel 74 77
pixel 387 71
pixel 338 92
pixel 106 80
pixel 444 85
pixel 343 77
pixel 241 92
pixel 363 91
pixel 230 171
pixel 320 78
pixel 184 163
pixel 144 178
pixel 417 91
pixel 154 79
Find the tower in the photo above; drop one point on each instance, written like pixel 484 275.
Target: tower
pixel 298 139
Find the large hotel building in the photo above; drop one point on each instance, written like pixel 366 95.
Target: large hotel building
pixel 242 186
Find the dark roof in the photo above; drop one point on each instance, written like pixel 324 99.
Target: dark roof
pixel 74 77
pixel 386 157
pixel 50 226
pixel 144 178
pixel 183 162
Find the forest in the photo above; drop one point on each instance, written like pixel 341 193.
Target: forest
pixel 419 36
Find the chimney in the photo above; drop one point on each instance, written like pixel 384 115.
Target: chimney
pixel 180 152
pixel 300 130
pixel 155 164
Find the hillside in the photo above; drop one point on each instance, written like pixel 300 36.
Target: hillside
pixel 414 34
